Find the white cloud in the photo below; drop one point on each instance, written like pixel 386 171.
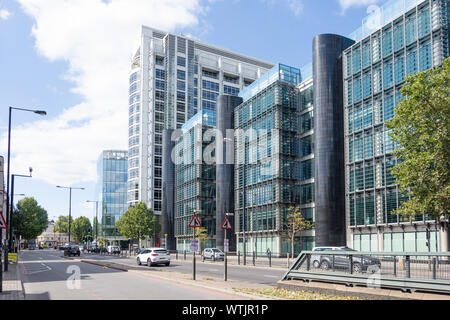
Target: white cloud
pixel 296 6
pixel 346 4
pixel 4 14
pixel 97 39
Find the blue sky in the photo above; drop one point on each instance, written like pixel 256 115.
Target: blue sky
pixel 71 58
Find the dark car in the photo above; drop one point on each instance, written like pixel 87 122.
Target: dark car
pixel 72 251
pixel 329 261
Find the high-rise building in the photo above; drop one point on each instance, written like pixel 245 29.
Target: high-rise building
pixel 112 170
pixel 268 176
pixel 195 181
pixel 172 78
pixel 399 39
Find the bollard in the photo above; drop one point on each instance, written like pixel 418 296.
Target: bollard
pixel 184 253
pixel 225 261
pixel 176 255
pixel 270 260
pixel 288 260
pixel 395 266
pixel 254 258
pixel 308 262
pixel 408 267
pixel 434 268
pixel 239 258
pixel 350 264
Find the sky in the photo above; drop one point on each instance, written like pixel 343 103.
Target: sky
pixel 71 58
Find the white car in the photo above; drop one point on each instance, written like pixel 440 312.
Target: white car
pixel 213 254
pixel 154 256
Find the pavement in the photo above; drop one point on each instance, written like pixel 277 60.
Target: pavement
pixel 12 284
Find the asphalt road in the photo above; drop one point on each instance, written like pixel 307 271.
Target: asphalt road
pixel 46 275
pixel 250 274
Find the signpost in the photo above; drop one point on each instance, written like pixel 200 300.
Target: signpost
pixel 195 223
pixel 2 219
pixel 226 225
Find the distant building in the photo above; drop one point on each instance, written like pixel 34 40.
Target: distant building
pixel 113 169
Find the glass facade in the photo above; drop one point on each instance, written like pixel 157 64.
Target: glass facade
pixel 195 180
pixel 416 40
pixel 113 167
pixel 269 174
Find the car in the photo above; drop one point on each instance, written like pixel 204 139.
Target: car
pixel 328 261
pixel 213 254
pixel 153 257
pixel 72 251
pixel 113 250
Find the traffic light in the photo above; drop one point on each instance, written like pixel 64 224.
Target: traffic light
pixel 89 231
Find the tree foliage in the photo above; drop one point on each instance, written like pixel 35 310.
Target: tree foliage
pixel 421 127
pixel 62 224
pixel 80 228
pixel 29 219
pixel 138 223
pixel 201 234
pixel 295 223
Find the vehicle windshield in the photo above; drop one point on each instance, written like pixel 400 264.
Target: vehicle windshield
pixel 216 250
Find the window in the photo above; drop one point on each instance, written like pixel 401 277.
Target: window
pixel 209 95
pixel 411 62
pixel 181 85
pixel 356 60
pixel 368 146
pixel 210 85
pixel 357 94
pixel 399 69
pixel 425 57
pixel 232 91
pixel 387 43
pixel 367 85
pixel 388 76
pixel 160 85
pixel 369 177
pixel 231 79
pixel 181 61
pixel 389 111
pixel 410 30
pixel 181 75
pixel 210 74
pixel 399 39
pixel 368 115
pixel 358 146
pixel 358 116
pixel 366 55
pixel 424 22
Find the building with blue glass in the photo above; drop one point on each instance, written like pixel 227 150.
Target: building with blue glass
pixel 112 169
pixel 195 180
pixel 397 40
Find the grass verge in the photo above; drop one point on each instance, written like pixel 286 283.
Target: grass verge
pixel 293 295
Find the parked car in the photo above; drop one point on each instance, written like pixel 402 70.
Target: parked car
pixel 327 261
pixel 113 250
pixel 153 256
pixel 213 254
pixel 72 251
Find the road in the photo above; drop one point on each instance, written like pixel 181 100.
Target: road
pixel 46 275
pixel 207 269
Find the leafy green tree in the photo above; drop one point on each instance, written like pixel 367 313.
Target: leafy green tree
pixel 421 127
pixel 295 223
pixel 80 228
pixel 201 234
pixel 29 219
pixel 138 223
pixel 62 224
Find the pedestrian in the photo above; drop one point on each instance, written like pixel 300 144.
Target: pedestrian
pixel 268 253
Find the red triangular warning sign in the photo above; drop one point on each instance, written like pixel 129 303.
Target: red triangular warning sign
pixel 227 224
pixel 2 221
pixel 195 222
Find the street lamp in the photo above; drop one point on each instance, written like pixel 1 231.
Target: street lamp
pixel 96 217
pixel 11 209
pixel 8 213
pixel 70 204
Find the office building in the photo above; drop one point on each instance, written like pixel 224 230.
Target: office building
pixel 112 170
pixel 195 180
pixel 172 78
pixel 399 39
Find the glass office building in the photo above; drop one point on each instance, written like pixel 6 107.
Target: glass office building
pixel 112 169
pixel 195 180
pixel 172 78
pixel 399 39
pixel 268 175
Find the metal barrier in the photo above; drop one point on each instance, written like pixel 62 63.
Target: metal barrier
pixel 406 271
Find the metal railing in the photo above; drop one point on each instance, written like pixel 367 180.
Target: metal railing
pixel 406 271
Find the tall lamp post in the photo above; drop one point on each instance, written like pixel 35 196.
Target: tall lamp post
pixel 96 217
pixel 70 204
pixel 11 209
pixel 8 196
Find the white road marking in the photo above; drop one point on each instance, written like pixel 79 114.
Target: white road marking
pixel 271 276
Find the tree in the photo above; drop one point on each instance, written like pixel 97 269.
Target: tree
pixel 138 223
pixel 295 223
pixel 62 224
pixel 29 219
pixel 201 234
pixel 421 127
pixel 80 228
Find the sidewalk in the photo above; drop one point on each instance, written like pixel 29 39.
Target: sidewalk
pixel 12 284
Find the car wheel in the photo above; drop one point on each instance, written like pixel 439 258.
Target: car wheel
pixel 139 262
pixel 316 264
pixel 149 263
pixel 167 264
pixel 357 268
pixel 325 265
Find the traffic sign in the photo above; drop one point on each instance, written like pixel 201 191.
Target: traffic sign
pixel 195 222
pixel 194 245
pixel 226 225
pixel 226 245
pixel 2 221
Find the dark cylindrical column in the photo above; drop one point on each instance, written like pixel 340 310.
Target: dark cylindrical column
pixel 225 167
pixel 168 204
pixel 329 139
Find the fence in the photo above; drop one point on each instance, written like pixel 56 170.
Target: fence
pixel 406 271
